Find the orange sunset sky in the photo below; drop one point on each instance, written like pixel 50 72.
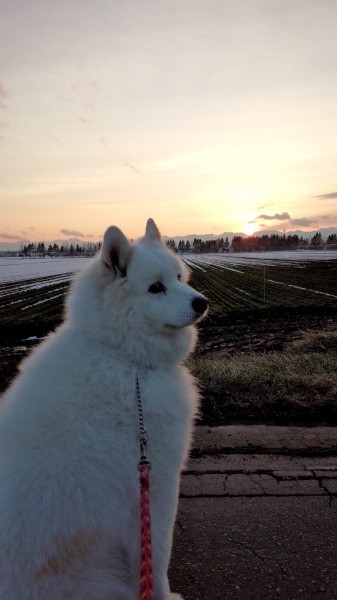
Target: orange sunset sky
pixel 208 115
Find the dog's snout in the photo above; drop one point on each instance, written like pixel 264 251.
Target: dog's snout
pixel 200 305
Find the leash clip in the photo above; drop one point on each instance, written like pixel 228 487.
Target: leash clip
pixel 143 438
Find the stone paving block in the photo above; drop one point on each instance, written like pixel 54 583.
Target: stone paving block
pixel 301 487
pixel 203 485
pixel 190 485
pixel 207 439
pixel 240 462
pixel 328 462
pixel 255 484
pixel 242 485
pixel 219 485
pixel 330 485
pixel 293 474
pixel 296 487
pixel 267 483
pixel 327 473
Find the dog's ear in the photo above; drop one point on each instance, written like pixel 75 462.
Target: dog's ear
pixel 116 250
pixel 152 232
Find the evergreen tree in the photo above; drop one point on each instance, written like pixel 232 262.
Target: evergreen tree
pixel 316 240
pixel 332 239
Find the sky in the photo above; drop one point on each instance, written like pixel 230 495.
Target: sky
pixel 207 115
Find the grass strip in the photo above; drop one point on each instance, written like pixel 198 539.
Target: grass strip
pixel 296 385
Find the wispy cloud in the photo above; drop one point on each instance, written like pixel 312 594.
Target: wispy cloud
pixel 53 139
pixel 103 140
pixel 3 97
pixel 132 167
pixel 303 222
pixel 276 217
pixel 72 232
pixel 30 229
pixel 263 206
pixel 330 196
pixel 8 236
pixel 3 106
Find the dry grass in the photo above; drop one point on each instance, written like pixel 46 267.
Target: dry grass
pixel 298 384
pixel 316 341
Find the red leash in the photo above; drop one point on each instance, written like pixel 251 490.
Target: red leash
pixel 146 578
pixel 144 467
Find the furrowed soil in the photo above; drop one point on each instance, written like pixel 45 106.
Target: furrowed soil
pixel 261 331
pixel 28 313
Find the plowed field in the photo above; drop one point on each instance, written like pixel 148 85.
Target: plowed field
pixel 254 307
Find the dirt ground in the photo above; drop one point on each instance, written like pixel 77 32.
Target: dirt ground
pixel 222 335
pixel 261 331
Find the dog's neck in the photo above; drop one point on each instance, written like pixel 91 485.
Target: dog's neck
pixel 157 350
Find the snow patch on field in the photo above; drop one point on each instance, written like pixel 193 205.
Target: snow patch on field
pixel 41 301
pixel 35 285
pixel 191 263
pixel 16 269
pixel 260 258
pixel 304 289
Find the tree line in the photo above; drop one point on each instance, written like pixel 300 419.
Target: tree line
pixel 256 243
pixel 64 250
pixel 239 243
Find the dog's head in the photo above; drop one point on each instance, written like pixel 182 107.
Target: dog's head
pixel 153 280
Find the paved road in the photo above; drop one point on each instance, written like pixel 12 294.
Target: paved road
pixel 258 516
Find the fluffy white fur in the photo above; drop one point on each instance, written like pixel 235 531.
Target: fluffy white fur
pixel 69 490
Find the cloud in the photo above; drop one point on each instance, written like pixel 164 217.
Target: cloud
pixel 72 232
pixel 53 139
pixel 3 96
pixel 327 196
pixel 303 222
pixel 276 217
pixel 103 140
pixel 331 218
pixel 8 236
pixel 132 167
pixel 30 229
pixel 3 106
pixel 263 206
pixel 85 120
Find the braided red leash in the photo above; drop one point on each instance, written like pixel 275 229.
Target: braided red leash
pixel 146 577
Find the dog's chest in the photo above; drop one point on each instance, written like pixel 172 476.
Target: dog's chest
pixel 168 403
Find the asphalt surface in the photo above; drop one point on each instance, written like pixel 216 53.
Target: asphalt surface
pixel 257 516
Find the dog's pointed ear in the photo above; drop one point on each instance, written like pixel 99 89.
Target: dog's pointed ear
pixel 116 250
pixel 152 232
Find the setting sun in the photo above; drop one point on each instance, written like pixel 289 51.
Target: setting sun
pixel 249 229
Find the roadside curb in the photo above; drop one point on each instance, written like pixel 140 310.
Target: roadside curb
pixel 264 439
pixel 261 460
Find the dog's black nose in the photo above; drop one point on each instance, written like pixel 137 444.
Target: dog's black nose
pixel 200 305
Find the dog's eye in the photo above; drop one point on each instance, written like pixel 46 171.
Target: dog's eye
pixel 157 288
pixel 179 277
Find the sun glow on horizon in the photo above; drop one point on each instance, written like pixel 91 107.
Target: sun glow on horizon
pixel 249 228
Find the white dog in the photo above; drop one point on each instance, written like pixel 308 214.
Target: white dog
pixel 69 449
